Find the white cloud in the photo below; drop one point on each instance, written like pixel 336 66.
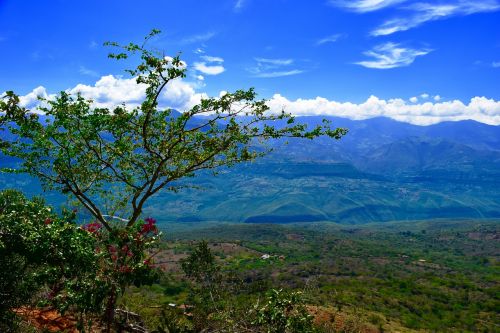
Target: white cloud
pixel 86 71
pixel 31 100
pixel 329 39
pixel 279 73
pixel 212 59
pixel 425 12
pixel 495 64
pixel 238 5
pixel 182 64
pixel 364 6
pixel 414 99
pixel 479 109
pixel 424 96
pixel 110 91
pixel 210 69
pixel 203 37
pixel 275 62
pixel 276 67
pixel 391 55
pixel 437 98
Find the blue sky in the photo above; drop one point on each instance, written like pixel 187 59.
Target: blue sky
pixel 361 57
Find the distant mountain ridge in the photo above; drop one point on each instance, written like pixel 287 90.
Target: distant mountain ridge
pixel 383 170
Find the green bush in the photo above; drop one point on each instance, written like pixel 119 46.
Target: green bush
pixel 41 254
pixel 284 312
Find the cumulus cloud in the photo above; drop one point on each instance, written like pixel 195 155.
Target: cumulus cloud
pixel 424 95
pixel 364 6
pixel 495 64
pixel 425 12
pixel 31 100
pixel 479 109
pixel 110 91
pixel 391 55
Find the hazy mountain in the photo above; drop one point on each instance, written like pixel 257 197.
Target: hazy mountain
pixel 382 170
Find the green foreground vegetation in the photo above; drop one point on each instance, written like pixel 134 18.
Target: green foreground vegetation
pixel 437 276
pixel 429 276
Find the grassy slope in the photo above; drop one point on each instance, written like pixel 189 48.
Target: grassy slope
pixel 436 275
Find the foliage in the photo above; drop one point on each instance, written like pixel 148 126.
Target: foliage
pixel 435 275
pixel 171 322
pixel 284 312
pixel 73 267
pixel 88 151
pixel 41 252
pixel 200 265
pixel 112 160
pixel 206 291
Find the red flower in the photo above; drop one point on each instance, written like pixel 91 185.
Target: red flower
pixel 93 227
pixel 125 269
pixel 48 220
pixel 150 220
pixel 149 226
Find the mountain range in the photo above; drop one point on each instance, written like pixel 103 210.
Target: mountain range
pixel 382 170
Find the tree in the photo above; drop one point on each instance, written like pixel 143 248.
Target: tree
pixel 284 312
pixel 206 287
pixel 84 150
pixel 114 159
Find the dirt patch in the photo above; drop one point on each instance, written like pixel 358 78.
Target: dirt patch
pixel 48 319
pixel 338 321
pixel 483 236
pixel 231 249
pixel 296 237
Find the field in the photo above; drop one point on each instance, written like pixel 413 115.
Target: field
pixel 437 275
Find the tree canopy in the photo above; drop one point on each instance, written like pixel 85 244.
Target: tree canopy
pixel 112 160
pixel 90 152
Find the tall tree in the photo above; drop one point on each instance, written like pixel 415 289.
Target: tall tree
pixel 116 158
pixel 89 151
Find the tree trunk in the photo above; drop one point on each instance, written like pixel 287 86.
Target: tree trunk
pixel 110 309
